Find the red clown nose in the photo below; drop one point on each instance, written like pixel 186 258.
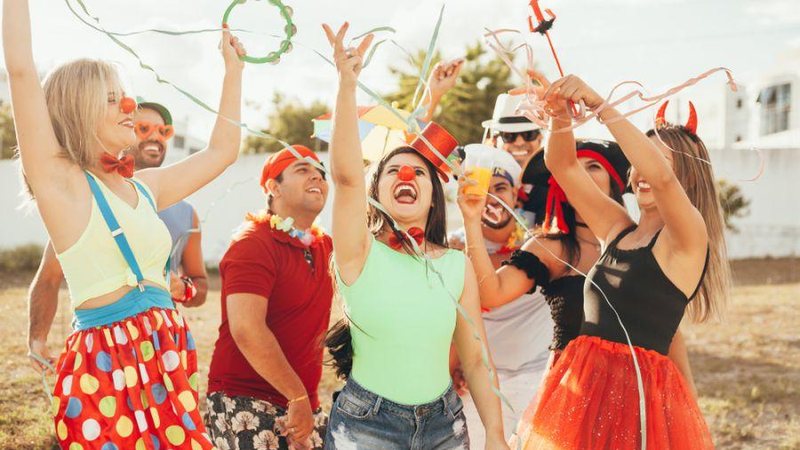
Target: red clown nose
pixel 406 173
pixel 127 105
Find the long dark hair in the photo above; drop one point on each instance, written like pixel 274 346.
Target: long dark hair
pixel 338 340
pixel 569 241
pixel 339 343
pixel 435 226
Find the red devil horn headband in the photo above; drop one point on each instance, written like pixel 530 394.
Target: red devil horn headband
pixel 660 121
pixel 691 124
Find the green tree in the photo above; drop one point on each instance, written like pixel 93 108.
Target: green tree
pixel 734 204
pixel 290 121
pixel 470 102
pixel 8 138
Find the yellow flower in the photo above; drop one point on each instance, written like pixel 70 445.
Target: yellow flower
pixel 274 221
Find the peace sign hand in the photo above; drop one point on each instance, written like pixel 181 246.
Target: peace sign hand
pixel 349 61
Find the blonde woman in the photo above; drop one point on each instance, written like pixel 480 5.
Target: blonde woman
pixel 674 259
pixel 128 375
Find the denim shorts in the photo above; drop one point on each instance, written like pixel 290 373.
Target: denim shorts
pixel 363 420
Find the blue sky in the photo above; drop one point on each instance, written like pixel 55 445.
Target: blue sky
pixel 658 42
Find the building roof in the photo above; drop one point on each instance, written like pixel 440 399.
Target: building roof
pixel 784 139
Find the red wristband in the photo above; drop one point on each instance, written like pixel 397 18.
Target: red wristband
pixel 189 291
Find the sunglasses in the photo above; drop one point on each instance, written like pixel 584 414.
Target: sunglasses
pixel 527 136
pixel 145 129
pixel 127 105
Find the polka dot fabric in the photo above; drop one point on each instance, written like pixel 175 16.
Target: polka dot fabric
pixel 130 385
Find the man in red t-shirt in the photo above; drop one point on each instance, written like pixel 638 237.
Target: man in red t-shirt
pixel 276 302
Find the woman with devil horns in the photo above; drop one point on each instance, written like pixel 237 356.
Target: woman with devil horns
pixel 615 385
pixel 404 310
pixel 128 375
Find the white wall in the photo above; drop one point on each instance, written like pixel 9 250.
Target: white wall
pixel 221 206
pixel 17 226
pixel 771 229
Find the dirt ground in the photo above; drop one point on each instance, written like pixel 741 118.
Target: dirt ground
pixel 747 366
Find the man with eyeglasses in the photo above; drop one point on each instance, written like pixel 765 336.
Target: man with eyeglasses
pixel 522 139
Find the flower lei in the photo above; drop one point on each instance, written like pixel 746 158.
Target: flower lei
pixel 516 239
pixel 306 237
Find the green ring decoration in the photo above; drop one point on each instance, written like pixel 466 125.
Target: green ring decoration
pixel 289 29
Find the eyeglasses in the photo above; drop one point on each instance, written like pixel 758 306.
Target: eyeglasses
pixel 527 136
pixel 145 129
pixel 127 105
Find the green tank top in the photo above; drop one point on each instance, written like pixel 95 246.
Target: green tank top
pixel 402 323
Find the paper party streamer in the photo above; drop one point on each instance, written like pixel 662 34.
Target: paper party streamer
pixel 413 126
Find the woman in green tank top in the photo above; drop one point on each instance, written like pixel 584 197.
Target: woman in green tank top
pixel 402 307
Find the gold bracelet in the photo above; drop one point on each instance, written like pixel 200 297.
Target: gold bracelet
pixel 301 398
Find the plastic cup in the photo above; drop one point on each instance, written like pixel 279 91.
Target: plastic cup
pixel 482 177
pixel 479 163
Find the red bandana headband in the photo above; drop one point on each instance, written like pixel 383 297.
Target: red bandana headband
pixel 586 153
pixel 554 221
pixel 278 162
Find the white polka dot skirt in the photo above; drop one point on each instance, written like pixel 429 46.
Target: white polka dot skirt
pixel 130 385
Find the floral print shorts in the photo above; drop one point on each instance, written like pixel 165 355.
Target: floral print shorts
pixel 246 423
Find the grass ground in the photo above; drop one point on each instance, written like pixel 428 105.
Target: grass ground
pixel 747 367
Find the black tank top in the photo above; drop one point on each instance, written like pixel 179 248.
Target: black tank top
pixel 564 296
pixel 650 305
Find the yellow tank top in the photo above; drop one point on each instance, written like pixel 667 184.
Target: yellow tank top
pixel 94 265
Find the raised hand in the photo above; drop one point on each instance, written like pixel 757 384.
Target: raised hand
pixel 538 89
pixel 572 88
pixel 349 61
pixel 443 77
pixel 232 50
pixel 471 205
pixel 555 106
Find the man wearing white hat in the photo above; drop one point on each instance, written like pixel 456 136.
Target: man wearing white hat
pixel 522 139
pixel 518 333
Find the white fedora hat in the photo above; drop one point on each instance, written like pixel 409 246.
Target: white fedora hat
pixel 505 117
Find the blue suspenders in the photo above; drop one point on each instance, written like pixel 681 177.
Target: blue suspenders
pixel 116 231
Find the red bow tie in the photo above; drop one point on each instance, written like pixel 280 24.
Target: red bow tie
pixel 415 232
pixel 122 165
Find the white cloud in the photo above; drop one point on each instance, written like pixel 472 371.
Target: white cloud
pixel 774 12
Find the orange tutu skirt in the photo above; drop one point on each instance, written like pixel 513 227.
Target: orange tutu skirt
pixel 590 400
